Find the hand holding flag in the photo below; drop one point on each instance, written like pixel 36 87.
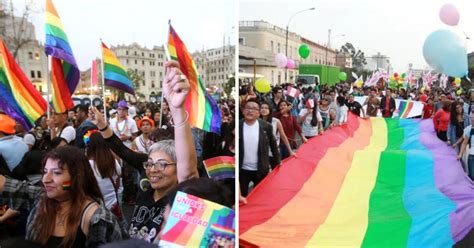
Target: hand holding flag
pixel 175 86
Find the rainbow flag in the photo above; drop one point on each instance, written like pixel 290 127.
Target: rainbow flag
pixel 195 222
pixel 18 97
pixel 371 183
pixel 64 71
pixel 202 108
pixel 115 75
pixel 219 168
pixel 404 109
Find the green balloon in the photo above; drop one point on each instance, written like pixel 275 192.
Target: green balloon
pixel 404 75
pixel 342 76
pixel 303 51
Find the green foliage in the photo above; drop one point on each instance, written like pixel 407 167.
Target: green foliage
pixel 229 86
pixel 358 57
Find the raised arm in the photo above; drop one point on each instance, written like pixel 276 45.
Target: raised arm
pixel 175 89
pixel 134 159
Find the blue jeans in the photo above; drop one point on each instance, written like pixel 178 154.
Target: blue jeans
pixel 470 167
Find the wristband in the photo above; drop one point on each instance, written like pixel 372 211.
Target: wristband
pixel 105 128
pixel 182 123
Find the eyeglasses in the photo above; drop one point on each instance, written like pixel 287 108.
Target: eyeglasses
pixel 251 109
pixel 158 165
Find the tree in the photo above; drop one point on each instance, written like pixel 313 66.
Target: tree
pixel 136 77
pixel 358 57
pixel 14 30
pixel 229 86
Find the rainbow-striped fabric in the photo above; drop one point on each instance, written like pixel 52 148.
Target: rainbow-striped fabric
pixel 203 110
pixel 221 167
pixel 404 109
pixel 64 71
pixel 370 183
pixel 115 75
pixel 18 97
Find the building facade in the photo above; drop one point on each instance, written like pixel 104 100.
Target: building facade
pixel 260 41
pixel 148 63
pixel 30 56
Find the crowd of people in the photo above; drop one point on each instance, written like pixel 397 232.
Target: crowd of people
pixel 277 116
pixel 65 183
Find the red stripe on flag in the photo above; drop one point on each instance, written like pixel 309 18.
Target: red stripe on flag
pixel 258 211
pixel 61 94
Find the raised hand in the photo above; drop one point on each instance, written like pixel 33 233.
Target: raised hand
pixel 175 85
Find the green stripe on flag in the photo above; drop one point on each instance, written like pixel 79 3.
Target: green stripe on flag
pixel 55 31
pixel 113 68
pixel 389 222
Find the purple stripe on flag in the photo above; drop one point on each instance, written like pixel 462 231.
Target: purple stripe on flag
pixel 451 180
pixel 119 85
pixel 61 54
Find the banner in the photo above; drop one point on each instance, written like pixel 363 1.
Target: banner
pixel 195 222
pixel 404 108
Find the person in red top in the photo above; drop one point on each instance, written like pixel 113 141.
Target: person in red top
pixel 387 104
pixel 428 109
pixel 441 121
pixel 290 126
pixel 424 97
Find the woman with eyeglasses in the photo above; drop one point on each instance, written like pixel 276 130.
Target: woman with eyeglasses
pixel 167 163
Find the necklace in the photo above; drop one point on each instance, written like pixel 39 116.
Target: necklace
pixel 124 129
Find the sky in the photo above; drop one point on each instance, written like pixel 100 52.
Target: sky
pixel 200 24
pixel 396 29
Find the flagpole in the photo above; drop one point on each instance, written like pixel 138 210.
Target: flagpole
pixel 92 71
pixel 103 79
pixel 168 58
pixel 48 82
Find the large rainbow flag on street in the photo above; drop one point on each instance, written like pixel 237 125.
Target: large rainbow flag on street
pixel 202 108
pixel 18 97
pixel 370 183
pixel 115 75
pixel 64 71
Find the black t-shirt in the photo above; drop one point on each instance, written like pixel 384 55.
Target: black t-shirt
pixel 147 217
pixel 354 107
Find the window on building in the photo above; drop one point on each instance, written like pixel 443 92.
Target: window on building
pixel 279 48
pixel 271 45
pixel 143 82
pixel 161 74
pixel 143 73
pixel 127 61
pixel 242 41
pixel 37 56
pixel 30 55
pixel 40 88
pixel 38 73
pixel 279 77
pixel 151 62
pixel 143 62
pixel 136 53
pixel 32 73
pixel 126 52
pixel 143 54
pixel 136 61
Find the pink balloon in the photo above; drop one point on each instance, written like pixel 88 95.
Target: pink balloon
pixel 290 64
pixel 449 14
pixel 280 60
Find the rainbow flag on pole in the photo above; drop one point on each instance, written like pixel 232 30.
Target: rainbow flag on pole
pixel 219 168
pixel 371 183
pixel 18 97
pixel 64 71
pixel 115 75
pixel 202 108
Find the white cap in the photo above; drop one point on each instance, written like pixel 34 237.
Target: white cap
pixel 69 134
pixel 29 139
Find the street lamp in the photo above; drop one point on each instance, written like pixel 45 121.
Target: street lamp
pixel 286 43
